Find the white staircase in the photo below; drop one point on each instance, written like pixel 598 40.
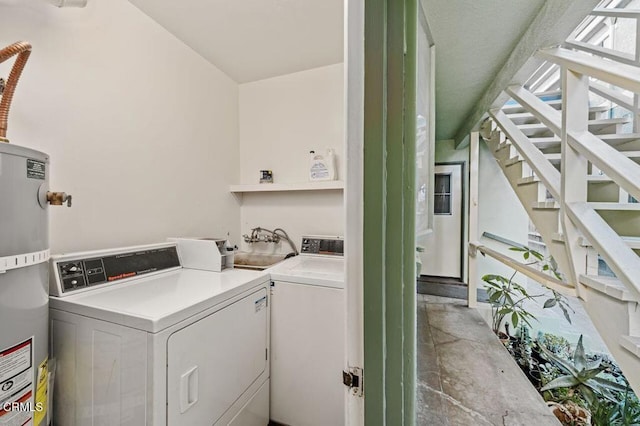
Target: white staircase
pixel 574 170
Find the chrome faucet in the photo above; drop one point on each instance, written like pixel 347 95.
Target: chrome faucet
pixel 267 236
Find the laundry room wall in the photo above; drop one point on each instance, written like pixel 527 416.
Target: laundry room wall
pixel 141 130
pixel 281 120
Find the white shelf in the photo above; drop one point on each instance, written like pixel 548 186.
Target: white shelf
pixel 280 187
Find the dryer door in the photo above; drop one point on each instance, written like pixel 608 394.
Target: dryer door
pixel 212 362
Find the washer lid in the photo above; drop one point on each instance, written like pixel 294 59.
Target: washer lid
pixel 156 302
pixel 310 270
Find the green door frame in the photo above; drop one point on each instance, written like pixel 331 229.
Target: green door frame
pixel 389 293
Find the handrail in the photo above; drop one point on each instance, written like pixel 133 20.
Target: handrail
pixel 614 96
pixel 616 13
pixel 624 58
pixel 621 75
pixel 502 240
pixel 544 279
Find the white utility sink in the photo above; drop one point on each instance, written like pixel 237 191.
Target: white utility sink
pixel 257 261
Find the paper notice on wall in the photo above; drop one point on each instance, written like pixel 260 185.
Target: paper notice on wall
pixel 16 384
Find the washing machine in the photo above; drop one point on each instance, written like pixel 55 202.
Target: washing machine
pixel 140 340
pixel 308 329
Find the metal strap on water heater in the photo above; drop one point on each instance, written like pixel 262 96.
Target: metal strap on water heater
pixel 23 260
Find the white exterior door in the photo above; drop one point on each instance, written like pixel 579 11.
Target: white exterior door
pixel 443 256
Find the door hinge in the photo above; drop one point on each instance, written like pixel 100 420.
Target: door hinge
pixel 354 379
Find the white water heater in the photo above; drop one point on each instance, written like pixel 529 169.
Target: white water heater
pixel 24 252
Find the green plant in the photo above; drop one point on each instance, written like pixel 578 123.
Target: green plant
pixel 547 264
pixel 604 413
pixel 602 395
pixel 521 347
pixel 507 298
pixel 625 412
pixel 556 344
pixel 581 375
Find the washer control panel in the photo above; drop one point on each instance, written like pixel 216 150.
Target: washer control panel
pixel 326 246
pixel 71 274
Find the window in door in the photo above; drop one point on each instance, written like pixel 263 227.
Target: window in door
pixel 442 194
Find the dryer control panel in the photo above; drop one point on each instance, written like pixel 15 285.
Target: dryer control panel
pixel 71 273
pixel 326 246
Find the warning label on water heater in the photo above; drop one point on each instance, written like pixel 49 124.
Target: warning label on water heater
pixel 36 169
pixel 16 384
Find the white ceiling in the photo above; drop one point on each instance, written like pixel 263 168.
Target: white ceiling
pixel 255 39
pixel 473 39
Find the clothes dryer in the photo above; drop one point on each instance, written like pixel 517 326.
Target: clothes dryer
pixel 140 340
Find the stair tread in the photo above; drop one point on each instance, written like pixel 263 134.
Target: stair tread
pixel 545 139
pixel 527 114
pixel 527 180
pixel 613 139
pixel 599 178
pixel 610 286
pixel 501 146
pixel 590 178
pixel 595 126
pixel 620 137
pixel 545 142
pixel 516 108
pixel 631 343
pixel 609 121
pixel 513 160
pixel 532 126
pixel 556 156
pixel 632 242
pixel 601 122
pixel 615 206
pixel 548 205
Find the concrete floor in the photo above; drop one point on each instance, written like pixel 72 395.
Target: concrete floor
pixel 465 376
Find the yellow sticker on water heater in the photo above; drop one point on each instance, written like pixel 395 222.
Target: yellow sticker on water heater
pixel 42 388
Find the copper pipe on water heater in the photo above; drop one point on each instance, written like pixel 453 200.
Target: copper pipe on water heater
pixel 23 50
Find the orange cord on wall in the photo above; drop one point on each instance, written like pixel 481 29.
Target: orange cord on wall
pixel 23 50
